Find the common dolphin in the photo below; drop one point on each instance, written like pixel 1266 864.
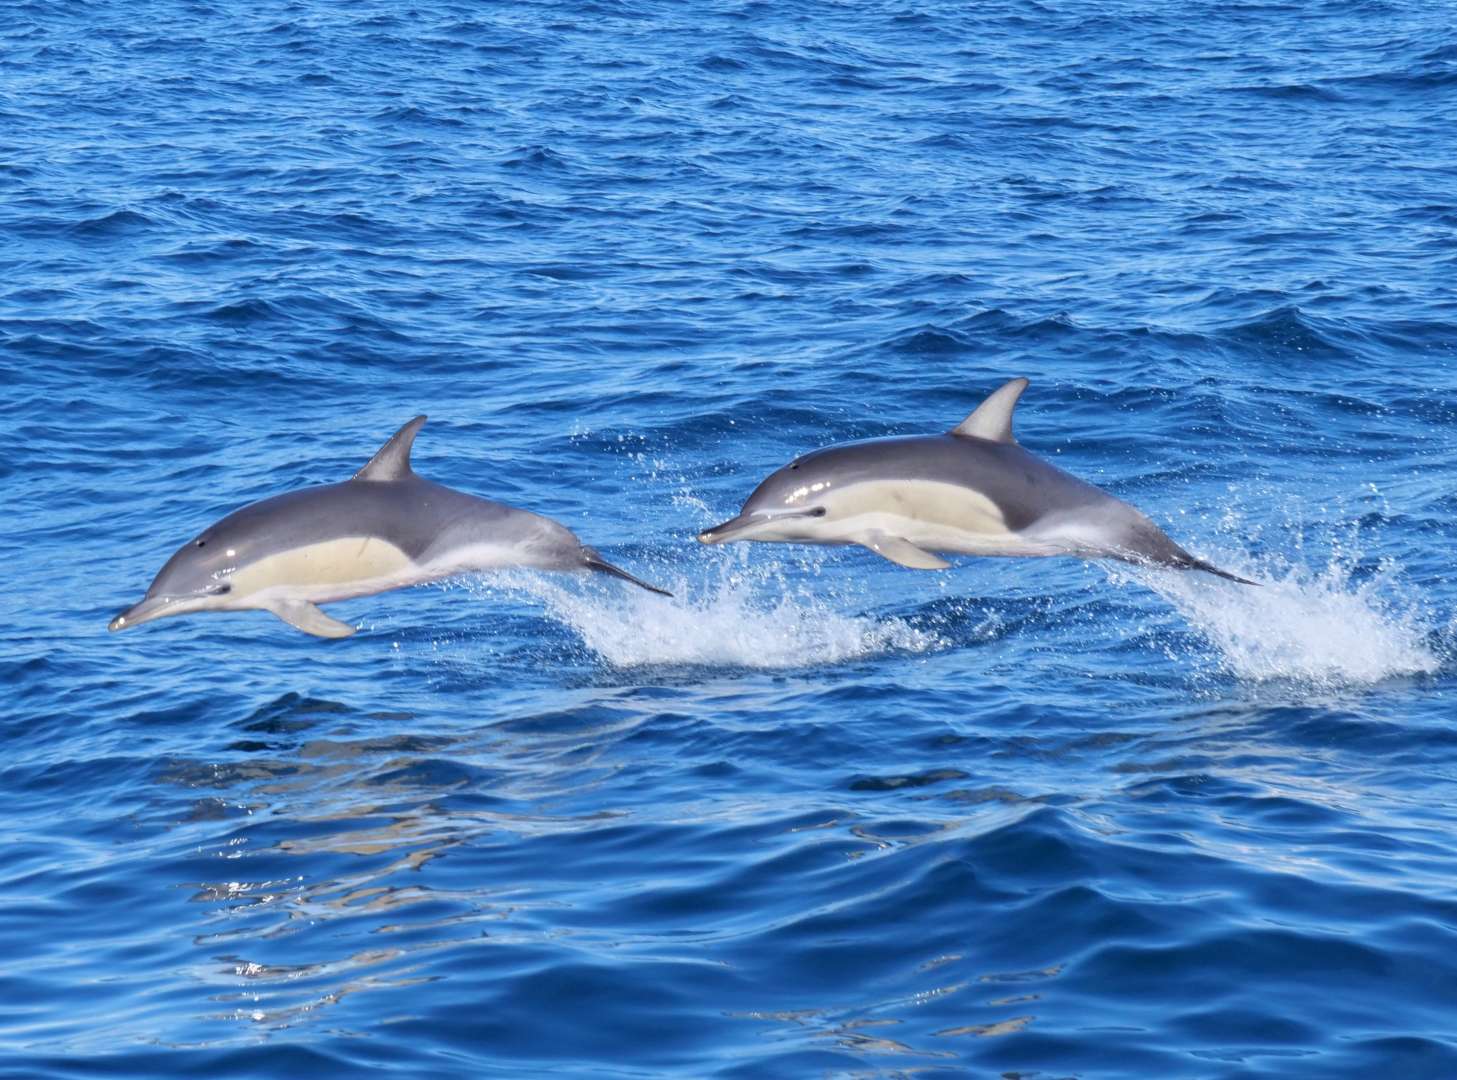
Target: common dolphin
pixel 971 491
pixel 383 529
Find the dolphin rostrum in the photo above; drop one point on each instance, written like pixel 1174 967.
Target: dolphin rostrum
pixel 383 529
pixel 971 491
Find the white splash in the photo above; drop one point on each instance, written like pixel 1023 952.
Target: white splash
pixel 734 621
pixel 1317 627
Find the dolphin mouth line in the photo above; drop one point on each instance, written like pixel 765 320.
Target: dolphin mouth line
pixel 144 610
pixel 722 534
pixel 155 607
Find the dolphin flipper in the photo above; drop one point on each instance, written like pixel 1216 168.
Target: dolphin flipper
pixel 899 550
pixel 307 617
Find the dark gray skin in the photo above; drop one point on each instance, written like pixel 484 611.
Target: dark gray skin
pixel 909 486
pixel 385 528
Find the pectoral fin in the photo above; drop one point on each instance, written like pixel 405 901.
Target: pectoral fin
pixel 307 617
pixel 900 550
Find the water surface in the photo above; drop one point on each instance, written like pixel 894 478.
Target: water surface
pixel 818 815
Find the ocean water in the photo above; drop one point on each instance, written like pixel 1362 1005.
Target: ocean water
pixel 817 815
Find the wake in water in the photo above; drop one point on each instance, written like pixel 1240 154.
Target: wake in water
pixel 730 621
pixel 1331 627
pixel 1324 628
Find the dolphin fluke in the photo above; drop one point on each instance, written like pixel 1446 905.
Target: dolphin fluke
pixel 597 562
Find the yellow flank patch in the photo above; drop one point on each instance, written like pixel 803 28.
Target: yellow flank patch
pixel 947 506
pixel 333 562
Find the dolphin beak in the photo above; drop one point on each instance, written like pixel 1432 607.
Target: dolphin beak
pixel 722 534
pixel 152 607
pixel 734 528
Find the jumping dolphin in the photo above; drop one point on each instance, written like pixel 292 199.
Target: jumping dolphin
pixel 972 491
pixel 383 529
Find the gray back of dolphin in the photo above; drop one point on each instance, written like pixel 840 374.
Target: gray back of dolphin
pixel 1024 488
pixel 972 491
pixel 421 518
pixel 384 528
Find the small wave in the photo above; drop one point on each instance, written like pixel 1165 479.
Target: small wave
pixel 929 340
pixel 731 622
pixel 536 158
pixel 719 62
pixel 1289 92
pixel 413 114
pixel 1287 329
pixel 246 311
pixel 1322 628
pixel 999 322
pixel 116 223
pixel 215 250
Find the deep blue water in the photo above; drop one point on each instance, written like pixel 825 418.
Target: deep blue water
pixel 819 815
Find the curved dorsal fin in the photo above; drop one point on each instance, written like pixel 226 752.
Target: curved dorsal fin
pixel 992 419
pixel 393 460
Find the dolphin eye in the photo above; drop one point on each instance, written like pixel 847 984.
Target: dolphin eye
pixel 818 511
pixel 202 543
pixel 220 590
pixel 795 465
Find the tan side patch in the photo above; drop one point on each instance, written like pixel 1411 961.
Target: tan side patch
pixel 934 506
pixel 349 559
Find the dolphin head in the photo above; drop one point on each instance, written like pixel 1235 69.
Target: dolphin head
pixel 786 506
pixel 194 579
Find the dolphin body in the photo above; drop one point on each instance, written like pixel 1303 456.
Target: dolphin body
pixel 383 529
pixel 971 491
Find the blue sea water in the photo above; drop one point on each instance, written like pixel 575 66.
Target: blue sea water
pixel 818 815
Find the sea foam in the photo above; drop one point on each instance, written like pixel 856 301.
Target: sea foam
pixel 734 618
pixel 1328 627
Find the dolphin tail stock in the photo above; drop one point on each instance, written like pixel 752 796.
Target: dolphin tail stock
pixel 1209 568
pixel 594 561
pixel 1179 559
pixel 1148 545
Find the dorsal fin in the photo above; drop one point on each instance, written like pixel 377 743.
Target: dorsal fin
pixel 393 460
pixel 992 419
